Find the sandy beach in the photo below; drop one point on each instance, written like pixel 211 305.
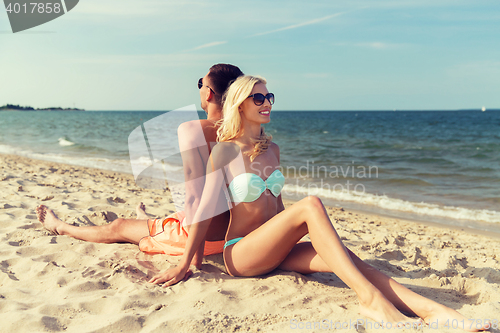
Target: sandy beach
pixel 56 283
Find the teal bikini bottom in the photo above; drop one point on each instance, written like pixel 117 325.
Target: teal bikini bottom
pixel 232 241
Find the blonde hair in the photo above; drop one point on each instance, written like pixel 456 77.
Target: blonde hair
pixel 230 124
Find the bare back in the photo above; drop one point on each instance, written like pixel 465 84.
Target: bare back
pixel 195 164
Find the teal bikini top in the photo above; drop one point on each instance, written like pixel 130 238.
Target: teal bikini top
pixel 248 187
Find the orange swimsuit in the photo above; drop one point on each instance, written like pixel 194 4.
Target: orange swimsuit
pixel 169 236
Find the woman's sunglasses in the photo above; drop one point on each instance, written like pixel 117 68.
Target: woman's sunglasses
pixel 259 98
pixel 200 85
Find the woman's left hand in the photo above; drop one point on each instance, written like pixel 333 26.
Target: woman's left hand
pixel 171 276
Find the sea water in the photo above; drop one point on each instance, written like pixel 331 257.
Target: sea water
pixel 439 166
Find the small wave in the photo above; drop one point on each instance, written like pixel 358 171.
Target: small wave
pixel 6 149
pixel 119 165
pixel 113 164
pixel 383 201
pixel 65 142
pixel 144 162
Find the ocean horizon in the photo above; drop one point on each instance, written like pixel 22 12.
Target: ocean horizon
pixel 437 166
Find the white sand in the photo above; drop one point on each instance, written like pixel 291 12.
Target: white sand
pixel 56 283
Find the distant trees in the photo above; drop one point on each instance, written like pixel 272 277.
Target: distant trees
pixel 16 107
pixel 29 108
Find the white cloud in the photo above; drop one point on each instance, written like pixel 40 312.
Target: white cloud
pixel 207 45
pixel 377 45
pixel 373 45
pixel 303 24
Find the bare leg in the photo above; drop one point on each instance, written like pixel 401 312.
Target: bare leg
pixel 118 231
pixel 304 259
pixel 266 247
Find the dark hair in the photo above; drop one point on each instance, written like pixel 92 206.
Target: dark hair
pixel 221 76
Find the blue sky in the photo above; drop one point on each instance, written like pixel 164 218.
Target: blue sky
pixel 318 55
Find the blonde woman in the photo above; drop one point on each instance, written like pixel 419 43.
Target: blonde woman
pixel 263 236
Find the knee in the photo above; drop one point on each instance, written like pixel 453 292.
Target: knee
pixel 311 205
pixel 313 202
pixel 116 226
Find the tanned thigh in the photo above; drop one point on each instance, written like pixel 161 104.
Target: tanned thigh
pixel 265 248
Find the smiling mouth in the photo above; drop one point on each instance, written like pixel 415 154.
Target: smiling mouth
pixel 265 113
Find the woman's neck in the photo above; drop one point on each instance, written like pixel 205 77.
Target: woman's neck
pixel 249 134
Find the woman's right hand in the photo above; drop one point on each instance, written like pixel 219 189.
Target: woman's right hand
pixel 171 276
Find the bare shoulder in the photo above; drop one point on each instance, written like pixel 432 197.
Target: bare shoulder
pixel 198 129
pixel 190 130
pixel 195 133
pixel 191 125
pixel 223 153
pixel 275 149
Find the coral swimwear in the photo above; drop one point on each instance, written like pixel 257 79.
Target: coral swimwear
pixel 169 236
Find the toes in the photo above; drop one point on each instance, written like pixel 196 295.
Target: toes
pixel 41 209
pixel 40 216
pixel 41 212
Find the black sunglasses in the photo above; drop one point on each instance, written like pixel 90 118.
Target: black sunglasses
pixel 259 98
pixel 200 85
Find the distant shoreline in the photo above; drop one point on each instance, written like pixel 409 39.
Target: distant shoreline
pixel 12 107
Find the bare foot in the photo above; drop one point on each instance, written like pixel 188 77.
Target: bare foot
pixel 49 220
pixel 445 317
pixel 385 313
pixel 141 212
